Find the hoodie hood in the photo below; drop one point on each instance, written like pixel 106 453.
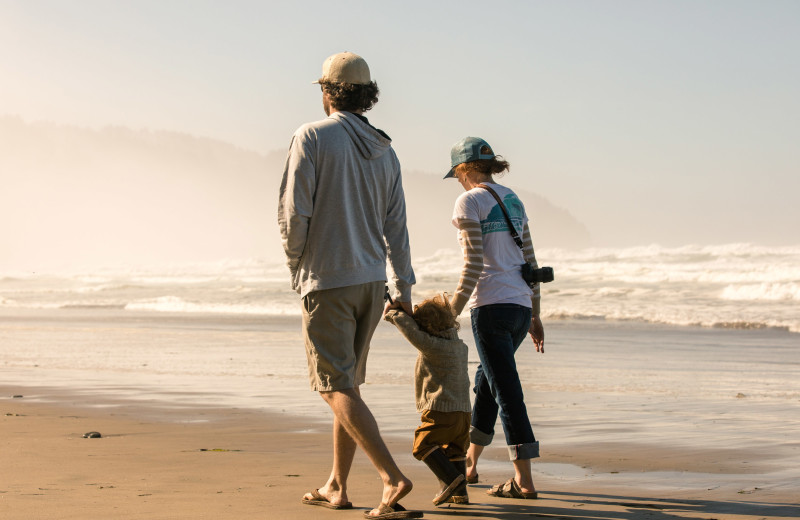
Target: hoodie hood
pixel 370 142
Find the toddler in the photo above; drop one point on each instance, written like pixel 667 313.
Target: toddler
pixel 442 393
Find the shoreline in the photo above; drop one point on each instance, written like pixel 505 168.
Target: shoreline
pixel 133 316
pixel 157 461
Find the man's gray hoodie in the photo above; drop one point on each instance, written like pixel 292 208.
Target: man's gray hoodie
pixel 342 209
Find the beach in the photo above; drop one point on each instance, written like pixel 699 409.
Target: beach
pixel 223 463
pixel 210 416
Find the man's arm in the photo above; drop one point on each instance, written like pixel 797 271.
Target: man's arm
pixel 296 201
pixel 395 234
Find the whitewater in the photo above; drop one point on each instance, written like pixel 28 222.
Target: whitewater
pixel 733 286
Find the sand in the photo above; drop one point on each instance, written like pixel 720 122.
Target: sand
pixel 154 461
pixel 210 416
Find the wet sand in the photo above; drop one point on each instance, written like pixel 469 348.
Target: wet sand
pixel 157 461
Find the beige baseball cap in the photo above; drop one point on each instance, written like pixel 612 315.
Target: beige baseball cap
pixel 345 67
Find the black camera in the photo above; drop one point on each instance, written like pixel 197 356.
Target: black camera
pixel 533 276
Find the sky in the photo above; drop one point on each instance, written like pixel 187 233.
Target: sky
pixel 670 122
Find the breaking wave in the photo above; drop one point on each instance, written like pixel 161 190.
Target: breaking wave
pixel 733 286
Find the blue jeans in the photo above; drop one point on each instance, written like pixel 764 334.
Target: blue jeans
pixel 499 330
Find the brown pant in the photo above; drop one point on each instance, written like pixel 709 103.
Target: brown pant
pixel 448 430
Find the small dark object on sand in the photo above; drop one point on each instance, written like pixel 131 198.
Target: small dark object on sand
pixel 92 435
pixel 17 397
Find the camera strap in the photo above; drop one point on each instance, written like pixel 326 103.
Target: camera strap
pixel 511 227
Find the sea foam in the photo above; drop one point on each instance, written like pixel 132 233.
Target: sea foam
pixel 711 286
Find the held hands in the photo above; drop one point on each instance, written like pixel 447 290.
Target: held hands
pixel 395 304
pixel 405 306
pixel 536 330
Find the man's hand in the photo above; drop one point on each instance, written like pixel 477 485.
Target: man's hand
pixel 536 330
pixel 405 306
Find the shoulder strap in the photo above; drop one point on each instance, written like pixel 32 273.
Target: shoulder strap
pixel 511 227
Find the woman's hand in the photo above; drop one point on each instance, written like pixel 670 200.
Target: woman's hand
pixel 536 330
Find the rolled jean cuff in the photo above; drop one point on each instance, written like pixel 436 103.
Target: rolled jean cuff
pixel 528 450
pixel 478 437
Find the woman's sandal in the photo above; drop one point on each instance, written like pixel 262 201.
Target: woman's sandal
pixel 510 489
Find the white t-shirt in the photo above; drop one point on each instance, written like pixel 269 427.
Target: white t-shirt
pixel 500 280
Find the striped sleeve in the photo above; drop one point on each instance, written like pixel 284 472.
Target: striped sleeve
pixel 472 248
pixel 527 244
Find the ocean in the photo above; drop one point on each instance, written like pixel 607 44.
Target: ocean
pixel 736 286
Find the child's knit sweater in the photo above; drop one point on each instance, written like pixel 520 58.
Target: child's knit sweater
pixel 442 381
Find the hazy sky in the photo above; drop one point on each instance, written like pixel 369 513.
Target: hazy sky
pixel 670 122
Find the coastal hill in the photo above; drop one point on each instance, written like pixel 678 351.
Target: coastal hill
pixel 92 197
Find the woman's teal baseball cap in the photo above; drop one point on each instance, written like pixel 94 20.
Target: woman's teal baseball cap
pixel 467 150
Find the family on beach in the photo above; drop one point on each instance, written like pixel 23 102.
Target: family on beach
pixel 341 214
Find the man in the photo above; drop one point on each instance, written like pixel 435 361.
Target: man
pixel 341 211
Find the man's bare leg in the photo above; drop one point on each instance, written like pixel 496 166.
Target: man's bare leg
pixel 344 450
pixel 355 417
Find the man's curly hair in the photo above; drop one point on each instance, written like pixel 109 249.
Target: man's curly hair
pixel 349 97
pixel 435 315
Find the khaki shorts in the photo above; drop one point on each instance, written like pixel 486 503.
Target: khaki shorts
pixel 337 327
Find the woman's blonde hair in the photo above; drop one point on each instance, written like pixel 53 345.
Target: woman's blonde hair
pixel 435 315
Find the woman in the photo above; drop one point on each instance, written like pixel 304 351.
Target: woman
pixel 502 307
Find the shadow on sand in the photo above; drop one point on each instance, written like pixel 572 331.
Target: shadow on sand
pixel 616 507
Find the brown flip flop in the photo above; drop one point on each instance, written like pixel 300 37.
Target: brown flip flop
pixel 318 500
pixel 386 512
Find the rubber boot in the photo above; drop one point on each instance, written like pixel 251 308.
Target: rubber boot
pixel 446 472
pixel 460 495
